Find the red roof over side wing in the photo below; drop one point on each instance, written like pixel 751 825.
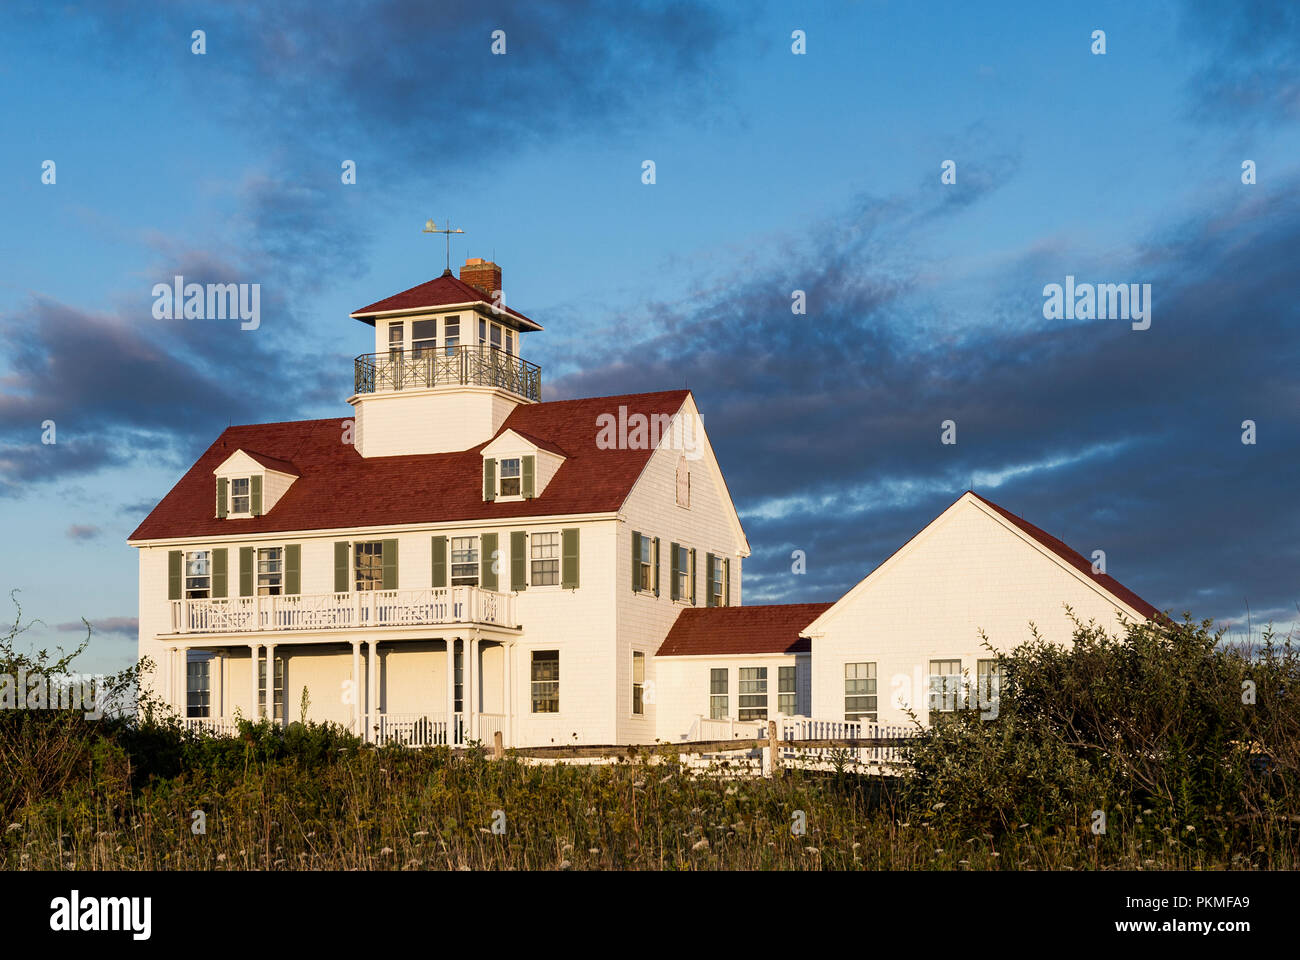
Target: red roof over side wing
pixel 718 631
pixel 338 488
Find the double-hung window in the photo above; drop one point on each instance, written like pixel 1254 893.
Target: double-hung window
pixel 510 474
pixel 718 705
pixel 860 691
pixel 545 557
pixel 753 693
pixel 545 680
pixel 270 571
pixel 464 561
pixel 645 563
pixel 787 694
pixel 684 573
pixel 197 689
pixel 278 689
pixel 945 685
pixel 370 565
pixel 638 682
pixel 451 335
pixel 198 575
pixel 241 500
pixel 717 582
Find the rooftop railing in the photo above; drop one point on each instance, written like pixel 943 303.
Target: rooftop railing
pixel 476 365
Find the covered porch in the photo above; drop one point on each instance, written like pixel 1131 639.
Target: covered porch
pixel 406 687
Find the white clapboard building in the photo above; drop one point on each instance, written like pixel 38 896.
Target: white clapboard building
pixel 458 558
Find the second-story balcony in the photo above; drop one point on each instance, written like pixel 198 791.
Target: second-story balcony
pixel 476 365
pixel 360 610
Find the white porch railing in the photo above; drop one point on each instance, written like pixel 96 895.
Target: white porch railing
pixel 344 611
pixel 811 728
pixel 706 728
pixel 414 729
pixel 213 726
pixel 489 724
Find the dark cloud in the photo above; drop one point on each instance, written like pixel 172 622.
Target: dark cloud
pixel 1115 439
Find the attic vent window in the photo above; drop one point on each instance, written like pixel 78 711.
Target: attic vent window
pixel 683 483
pixel 510 474
pixel 240 495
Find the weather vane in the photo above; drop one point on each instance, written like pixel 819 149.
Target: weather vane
pixel 431 227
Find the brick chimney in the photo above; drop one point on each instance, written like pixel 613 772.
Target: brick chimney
pixel 483 275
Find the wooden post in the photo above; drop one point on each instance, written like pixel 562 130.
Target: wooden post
pixel 774 757
pixel 498 746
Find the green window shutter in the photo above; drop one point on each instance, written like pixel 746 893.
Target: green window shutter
pixel 293 569
pixel 569 558
pixel 518 560
pixel 708 579
pixel 439 561
pixel 656 563
pixel 255 498
pixel 489 479
pixel 636 562
pixel 691 574
pixel 673 560
pixel 223 500
pixel 529 484
pixel 341 567
pixel 221 572
pixel 175 573
pixel 245 571
pixel 390 564
pixel 726 581
pixel 488 563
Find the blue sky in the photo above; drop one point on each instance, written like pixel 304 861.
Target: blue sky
pixel 775 172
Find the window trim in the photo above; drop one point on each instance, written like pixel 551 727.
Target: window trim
pixel 760 677
pixel 518 478
pixel 724 696
pixel 247 511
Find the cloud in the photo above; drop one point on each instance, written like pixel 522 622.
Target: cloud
pixel 1251 67
pixel 124 627
pixel 83 531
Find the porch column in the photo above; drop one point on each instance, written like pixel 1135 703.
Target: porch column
pixel 254 651
pixel 217 683
pixel 451 691
pixel 179 688
pixel 507 699
pixel 372 686
pixel 471 689
pixel 270 683
pixel 356 687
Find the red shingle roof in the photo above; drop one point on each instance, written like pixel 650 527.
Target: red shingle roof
pixel 273 463
pixel 718 631
pixel 439 292
pixel 1075 559
pixel 338 488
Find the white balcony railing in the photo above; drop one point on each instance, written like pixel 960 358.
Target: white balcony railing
pixel 344 611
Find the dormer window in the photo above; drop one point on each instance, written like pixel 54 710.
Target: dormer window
pixel 510 477
pixel 241 495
